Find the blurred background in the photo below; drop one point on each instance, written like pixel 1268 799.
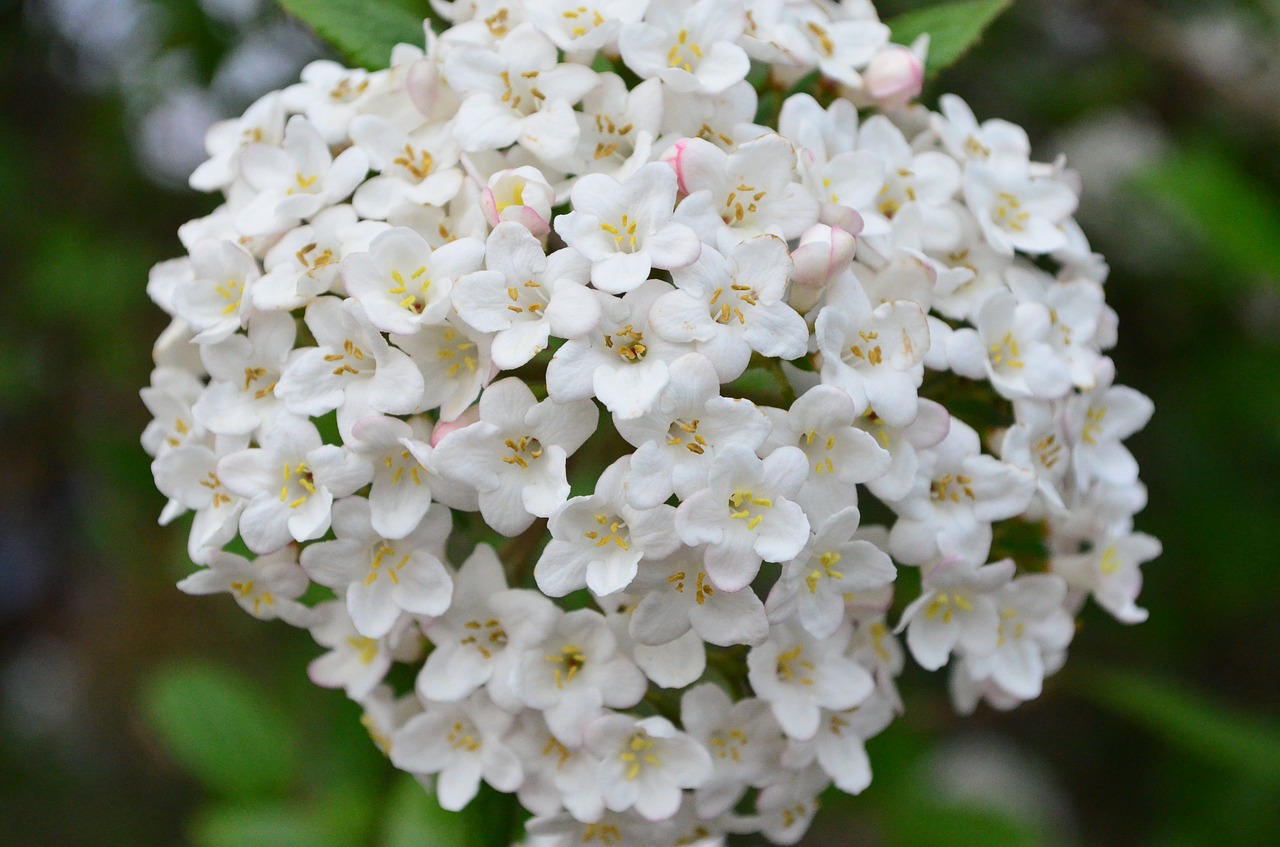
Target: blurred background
pixel 131 714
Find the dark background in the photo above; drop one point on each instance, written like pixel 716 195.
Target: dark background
pixel 1161 734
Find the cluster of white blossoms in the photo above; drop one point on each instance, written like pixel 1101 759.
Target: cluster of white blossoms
pixel 608 248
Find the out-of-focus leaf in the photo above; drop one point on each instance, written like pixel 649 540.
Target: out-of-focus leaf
pixel 362 31
pixel 1187 720
pixel 1236 217
pixel 221 729
pixel 263 826
pixel 953 28
pixel 414 819
pixel 946 826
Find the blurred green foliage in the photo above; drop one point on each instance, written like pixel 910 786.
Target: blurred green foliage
pixel 187 722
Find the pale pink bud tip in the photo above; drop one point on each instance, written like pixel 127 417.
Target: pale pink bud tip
pixel 894 77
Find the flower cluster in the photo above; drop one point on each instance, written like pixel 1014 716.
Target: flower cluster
pixel 663 343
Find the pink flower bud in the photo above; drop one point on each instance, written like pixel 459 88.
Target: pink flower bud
pixel 443 428
pixel 824 251
pixel 521 195
pixel 894 76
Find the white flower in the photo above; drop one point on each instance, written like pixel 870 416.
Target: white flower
pixel 355 663
pixel 556 777
pixel 401 492
pixel 746 513
pixel 677 595
pixel 296 180
pixel 597 541
pixel 623 361
pixel 645 763
pixel 678 437
pixel 244 370
pixel 382 577
pixel 733 305
pixel 838 747
pixel 750 191
pixel 875 354
pixel 1011 348
pixel 1111 572
pixel 305 262
pixel 521 195
pixel 617 127
pixel 957 493
pixel 519 95
pixel 261 123
pixel 799 676
pixel 689 46
pixel 290 483
pixel 830 571
pixel 403 284
pixel 957 611
pixel 743 738
pixel 187 474
pixel 786 808
pixel 574 672
pixel 415 168
pixel 514 456
pixel 583 26
pixel 625 229
pixel 479 639
pixel 266 587
pixel 454 362
pixel 966 140
pixel 525 296
pixel 215 300
pixel 821 422
pixel 352 368
pixel 462 744
pixel 1097 422
pixel 1015 209
pixel 1033 623
pixel 841 47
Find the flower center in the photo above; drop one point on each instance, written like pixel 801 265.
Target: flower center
pixel 612 529
pixel 790 667
pixel 299 484
pixel 629 344
pixel 741 201
pixel 489 633
pixel 742 506
pixel 636 755
pixel 686 433
pixel 350 353
pixel 826 568
pixel 382 556
pixel 865 351
pixel 948 487
pixel 568 662
pixel 524 451
pixel 410 299
pixel 684 52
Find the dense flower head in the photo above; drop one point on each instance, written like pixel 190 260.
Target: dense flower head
pixel 489 329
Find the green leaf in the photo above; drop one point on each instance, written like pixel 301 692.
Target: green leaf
pixel 262 826
pixel 1186 720
pixel 953 28
pixel 414 819
pixel 362 31
pixel 222 729
pixel 1237 219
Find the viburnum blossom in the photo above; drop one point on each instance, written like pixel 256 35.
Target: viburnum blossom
pixel 564 363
